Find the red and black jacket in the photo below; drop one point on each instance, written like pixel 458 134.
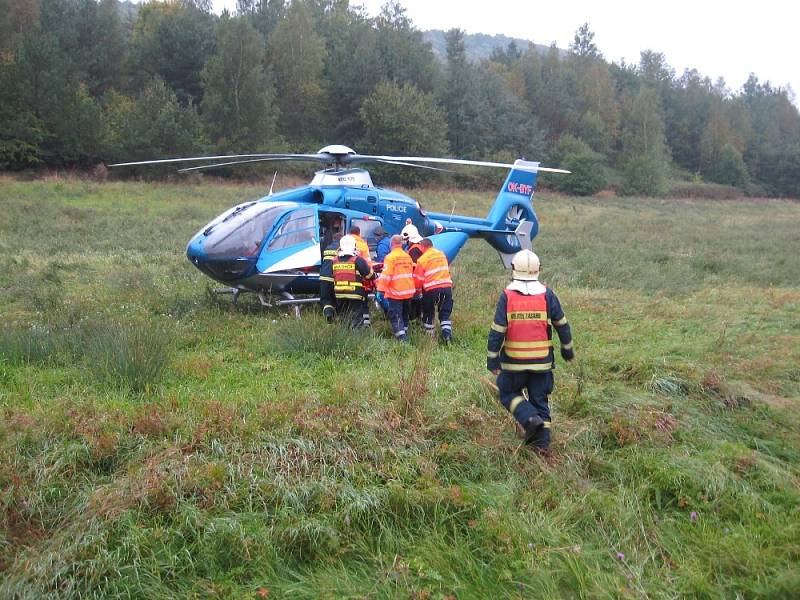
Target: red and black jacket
pixel 349 274
pixel 520 338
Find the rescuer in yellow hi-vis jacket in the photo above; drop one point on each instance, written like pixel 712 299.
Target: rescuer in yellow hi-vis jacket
pixel 361 244
pixel 433 281
pixel 520 348
pixel 396 284
pixel 349 273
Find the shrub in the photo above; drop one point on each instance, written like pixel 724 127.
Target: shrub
pixel 588 173
pixel 645 175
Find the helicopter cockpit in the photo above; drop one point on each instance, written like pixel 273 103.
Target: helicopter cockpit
pixel 241 231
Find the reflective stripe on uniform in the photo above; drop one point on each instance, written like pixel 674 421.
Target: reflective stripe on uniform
pixel 345 296
pixel 448 325
pixel 400 333
pixel 323 278
pixel 546 424
pixel 522 354
pixel 401 276
pixel 400 294
pixel 523 350
pixel 515 402
pixel 566 346
pixel 535 315
pixel 560 322
pixel 436 270
pixel 527 367
pixel 499 328
pixel 530 345
pixel 439 283
pixel 492 354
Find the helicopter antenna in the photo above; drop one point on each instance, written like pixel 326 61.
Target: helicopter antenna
pixel 273 183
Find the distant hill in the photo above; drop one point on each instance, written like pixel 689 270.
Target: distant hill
pixel 478 45
pixel 128 12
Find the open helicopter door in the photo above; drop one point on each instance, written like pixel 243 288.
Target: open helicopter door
pixel 293 245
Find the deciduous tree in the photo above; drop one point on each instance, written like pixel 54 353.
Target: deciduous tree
pixel 238 110
pixel 297 55
pixel 400 119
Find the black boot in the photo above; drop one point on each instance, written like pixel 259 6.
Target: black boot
pixel 532 428
pixel 540 441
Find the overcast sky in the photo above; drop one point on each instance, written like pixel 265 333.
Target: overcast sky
pixel 720 39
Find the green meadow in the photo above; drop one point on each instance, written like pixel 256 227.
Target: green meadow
pixel 157 441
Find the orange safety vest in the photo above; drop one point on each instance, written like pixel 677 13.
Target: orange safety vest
pixel 363 248
pixel 528 337
pixel 432 271
pixel 397 278
pixel 347 281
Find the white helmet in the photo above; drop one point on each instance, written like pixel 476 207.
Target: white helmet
pixel 347 246
pixel 525 266
pixel 410 234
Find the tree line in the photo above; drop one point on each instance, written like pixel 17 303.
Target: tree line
pixel 90 81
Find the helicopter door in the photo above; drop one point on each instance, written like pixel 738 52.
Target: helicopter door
pixel 294 244
pixel 330 224
pixel 367 227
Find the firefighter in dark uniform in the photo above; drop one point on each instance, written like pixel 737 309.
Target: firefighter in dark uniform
pixel 520 348
pixel 326 297
pixel 349 273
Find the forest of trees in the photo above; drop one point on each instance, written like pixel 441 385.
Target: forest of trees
pixel 84 82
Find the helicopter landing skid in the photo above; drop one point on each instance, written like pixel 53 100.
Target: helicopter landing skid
pixel 289 300
pixel 266 299
pixel 234 292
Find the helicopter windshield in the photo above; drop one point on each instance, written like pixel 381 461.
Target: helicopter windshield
pixel 242 232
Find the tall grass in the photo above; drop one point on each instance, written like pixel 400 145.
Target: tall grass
pixel 127 355
pixel 36 344
pixel 155 443
pixel 130 355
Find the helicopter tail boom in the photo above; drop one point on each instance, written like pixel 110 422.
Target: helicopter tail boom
pixel 511 223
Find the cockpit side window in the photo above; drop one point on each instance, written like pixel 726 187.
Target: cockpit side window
pixel 300 226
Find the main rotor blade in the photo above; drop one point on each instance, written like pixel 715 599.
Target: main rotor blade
pixel 406 164
pixel 455 161
pixel 309 157
pixel 241 162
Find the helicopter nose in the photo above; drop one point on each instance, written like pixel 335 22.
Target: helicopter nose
pixel 195 252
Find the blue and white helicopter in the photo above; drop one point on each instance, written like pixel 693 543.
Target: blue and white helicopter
pixel 273 246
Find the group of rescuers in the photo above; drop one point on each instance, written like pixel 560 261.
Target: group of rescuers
pixel 415 278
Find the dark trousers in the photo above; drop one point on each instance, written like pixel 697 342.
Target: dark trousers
pixel 326 298
pixel 414 309
pixel 352 311
pixel 398 317
pixel 441 299
pixel 538 386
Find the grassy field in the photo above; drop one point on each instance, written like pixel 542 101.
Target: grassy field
pixel 157 441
